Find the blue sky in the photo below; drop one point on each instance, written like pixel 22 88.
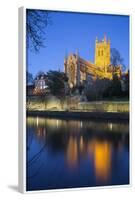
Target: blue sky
pixel 72 31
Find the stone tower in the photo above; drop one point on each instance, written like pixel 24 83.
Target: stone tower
pixel 102 53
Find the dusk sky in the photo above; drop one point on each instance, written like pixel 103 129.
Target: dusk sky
pixel 70 32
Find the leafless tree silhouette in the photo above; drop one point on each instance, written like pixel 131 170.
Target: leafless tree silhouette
pixel 36 23
pixel 116 59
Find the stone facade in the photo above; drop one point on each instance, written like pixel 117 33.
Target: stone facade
pixel 102 54
pixel 78 69
pixel 40 85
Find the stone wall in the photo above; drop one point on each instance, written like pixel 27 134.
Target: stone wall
pixel 43 103
pixel 51 102
pixel 73 104
pixel 104 106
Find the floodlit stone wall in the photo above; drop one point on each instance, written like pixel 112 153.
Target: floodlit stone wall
pixel 104 106
pixel 73 104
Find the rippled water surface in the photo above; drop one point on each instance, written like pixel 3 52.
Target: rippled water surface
pixel 76 153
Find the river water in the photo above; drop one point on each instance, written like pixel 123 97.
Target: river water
pixel 76 153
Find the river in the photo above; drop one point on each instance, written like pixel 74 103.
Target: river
pixel 76 153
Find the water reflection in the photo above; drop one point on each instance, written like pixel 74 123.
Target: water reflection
pixel 99 151
pixel 102 160
pixel 72 152
pixel 82 153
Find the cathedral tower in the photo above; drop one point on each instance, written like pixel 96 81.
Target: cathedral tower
pixel 102 53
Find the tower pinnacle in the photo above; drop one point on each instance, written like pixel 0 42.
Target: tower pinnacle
pixel 96 39
pixel 105 39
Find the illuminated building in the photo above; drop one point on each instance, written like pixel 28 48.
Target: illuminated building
pixel 79 70
pixel 40 84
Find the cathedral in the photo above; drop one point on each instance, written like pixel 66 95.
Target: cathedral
pixel 79 70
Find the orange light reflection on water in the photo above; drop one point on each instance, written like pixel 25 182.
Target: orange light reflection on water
pixel 101 153
pixel 72 152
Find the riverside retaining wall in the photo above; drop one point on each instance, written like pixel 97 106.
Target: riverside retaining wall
pixel 72 104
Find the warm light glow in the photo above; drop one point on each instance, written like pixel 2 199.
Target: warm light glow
pixel 81 124
pixel 57 123
pixel 102 160
pixel 41 132
pixel 81 144
pixel 37 121
pixel 72 153
pixel 110 126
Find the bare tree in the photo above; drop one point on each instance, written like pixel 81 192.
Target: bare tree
pixel 116 59
pixel 36 23
pixel 29 78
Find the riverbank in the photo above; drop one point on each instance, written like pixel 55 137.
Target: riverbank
pixel 51 103
pixel 81 115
